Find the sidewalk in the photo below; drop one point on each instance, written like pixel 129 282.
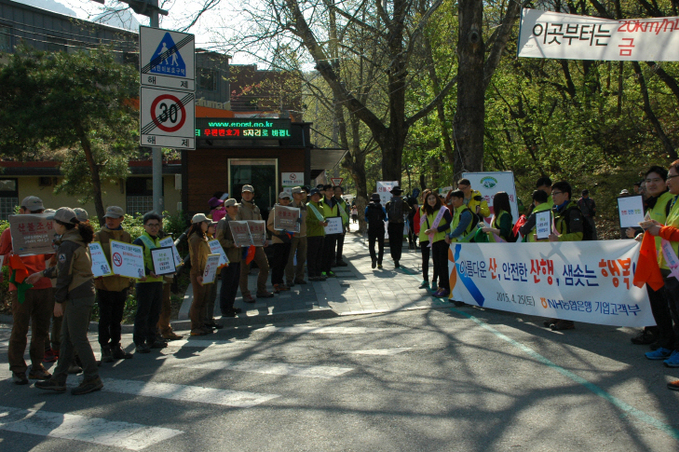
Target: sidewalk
pixel 357 289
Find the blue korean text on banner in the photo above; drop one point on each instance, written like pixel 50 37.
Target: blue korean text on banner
pixel 167 60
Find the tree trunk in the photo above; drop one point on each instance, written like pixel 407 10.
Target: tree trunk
pixel 94 168
pixel 468 125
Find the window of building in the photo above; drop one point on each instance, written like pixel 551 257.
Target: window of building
pixel 9 197
pixel 207 79
pixel 139 195
pixel 5 39
pixel 55 45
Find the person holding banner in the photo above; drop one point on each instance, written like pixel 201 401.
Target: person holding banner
pixel 419 223
pixel 658 201
pixel 501 225
pixel 669 267
pixel 473 199
pixel 212 288
pixel 112 289
pixel 294 273
pixel 281 241
pixel 344 213
pixel 568 227
pixel 198 253
pixel 74 297
pixel 149 289
pixel 231 273
pixel 541 203
pixel 436 223
pixel 375 215
pixel 315 233
pixel 331 208
pixel 31 306
pixel 249 211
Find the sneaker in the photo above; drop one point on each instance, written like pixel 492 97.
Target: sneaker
pixel 106 356
pixel 248 298
pixel 142 348
pixel 645 337
pixel 87 386
pixel 458 303
pixel 379 266
pixel 396 264
pixel 39 374
pixel 660 353
pixel 158 344
pixel 324 275
pixel 172 336
pixel 374 264
pixel 673 385
pixel 673 360
pixel 51 356
pixel 331 274
pixel 264 295
pixel 300 281
pixel 442 293
pixel 341 263
pixel 434 286
pixel 118 353
pixel 51 385
pixel 19 378
pixel 424 285
pixel 561 325
pixel 276 289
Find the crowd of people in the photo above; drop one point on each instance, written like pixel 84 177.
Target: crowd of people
pixel 61 288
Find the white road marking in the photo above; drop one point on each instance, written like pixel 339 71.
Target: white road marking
pixel 171 391
pixel 297 370
pixel 380 351
pixel 80 428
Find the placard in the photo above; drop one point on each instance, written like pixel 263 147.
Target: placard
pixel 240 231
pixel 543 224
pixel 334 225
pixel 127 259
pixel 257 232
pixel 285 218
pixel 216 248
pixel 100 265
pixel 167 241
pixel 630 211
pixel 32 234
pixel 211 266
pixel 491 182
pixel 163 260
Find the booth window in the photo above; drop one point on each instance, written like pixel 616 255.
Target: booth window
pixel 9 197
pixel 139 195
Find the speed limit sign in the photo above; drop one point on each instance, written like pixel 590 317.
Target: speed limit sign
pixel 167 118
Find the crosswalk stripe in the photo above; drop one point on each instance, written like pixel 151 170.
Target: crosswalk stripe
pixel 326 329
pixel 125 435
pixel 171 391
pixel 297 370
pixel 380 351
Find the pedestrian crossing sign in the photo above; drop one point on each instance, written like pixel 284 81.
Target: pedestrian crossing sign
pixel 167 59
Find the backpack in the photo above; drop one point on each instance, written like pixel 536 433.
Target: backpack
pixel 395 210
pixel 587 231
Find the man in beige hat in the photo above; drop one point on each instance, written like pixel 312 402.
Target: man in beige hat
pixel 34 310
pixel 249 211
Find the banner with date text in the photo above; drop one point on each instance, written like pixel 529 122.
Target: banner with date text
pixel 588 281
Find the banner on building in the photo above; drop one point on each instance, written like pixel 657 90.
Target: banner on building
pixel 588 281
pixel 546 34
pixel 489 183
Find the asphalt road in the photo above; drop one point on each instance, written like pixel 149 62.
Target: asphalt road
pixel 423 380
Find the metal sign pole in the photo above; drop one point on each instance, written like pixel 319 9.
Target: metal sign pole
pixel 158 202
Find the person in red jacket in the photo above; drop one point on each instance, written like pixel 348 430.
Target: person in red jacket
pixel 35 309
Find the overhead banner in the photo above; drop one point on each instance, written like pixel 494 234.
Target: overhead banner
pixel 588 281
pixel 546 34
pixel 491 182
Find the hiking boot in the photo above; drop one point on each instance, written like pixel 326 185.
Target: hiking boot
pixel 158 344
pixel 248 298
pixel 172 336
pixel 142 348
pixel 88 385
pixel 661 353
pixel 39 374
pixel 19 378
pixel 51 385
pixel 106 356
pixel 673 360
pixel 118 353
pixel 673 385
pixel 645 337
pixel 424 285
pixel 277 288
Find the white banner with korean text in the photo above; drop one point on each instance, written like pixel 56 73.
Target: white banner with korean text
pixel 546 34
pixel 588 281
pixel 491 182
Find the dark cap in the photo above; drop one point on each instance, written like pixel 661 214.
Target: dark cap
pixel 314 191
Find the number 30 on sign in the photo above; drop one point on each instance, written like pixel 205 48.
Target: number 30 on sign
pixel 167 118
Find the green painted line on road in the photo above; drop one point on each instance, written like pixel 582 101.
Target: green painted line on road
pixel 625 407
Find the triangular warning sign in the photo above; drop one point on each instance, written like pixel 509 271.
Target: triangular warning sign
pixel 167 60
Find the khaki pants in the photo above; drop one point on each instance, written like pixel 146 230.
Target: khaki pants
pixel 36 312
pixel 263 264
pixel 296 272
